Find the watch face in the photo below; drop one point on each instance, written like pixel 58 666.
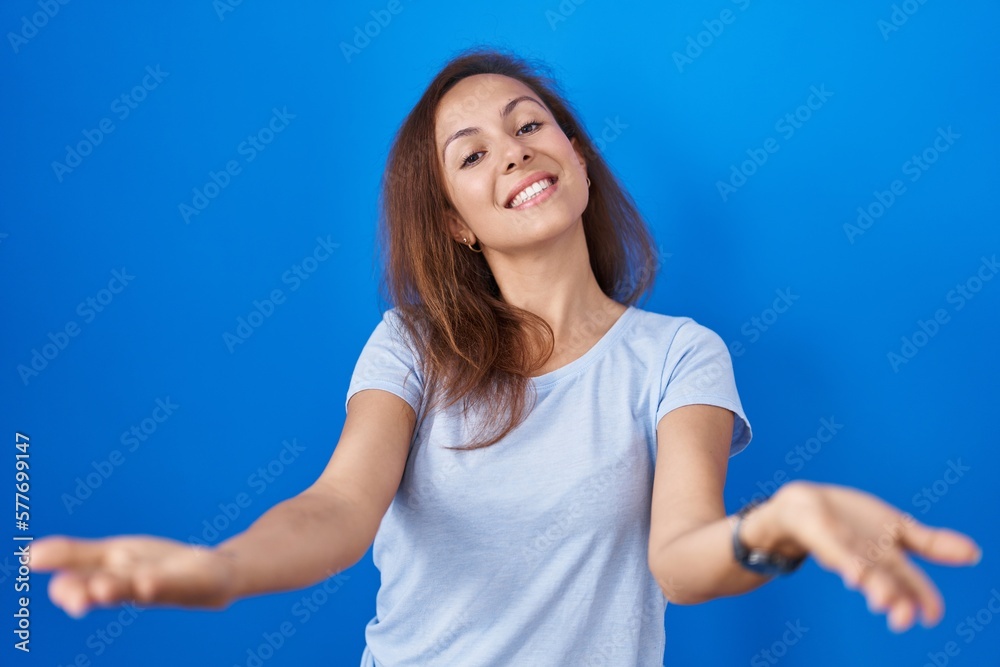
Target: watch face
pixel 758 560
pixel 763 562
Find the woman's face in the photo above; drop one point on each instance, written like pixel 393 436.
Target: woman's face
pixel 494 138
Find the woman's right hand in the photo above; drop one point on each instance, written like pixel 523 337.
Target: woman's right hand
pixel 143 569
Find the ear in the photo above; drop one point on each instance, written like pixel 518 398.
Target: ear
pixel 456 226
pixel 579 152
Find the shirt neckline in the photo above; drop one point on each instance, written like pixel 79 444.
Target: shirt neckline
pixel 590 355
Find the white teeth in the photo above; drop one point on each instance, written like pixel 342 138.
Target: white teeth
pixel 530 191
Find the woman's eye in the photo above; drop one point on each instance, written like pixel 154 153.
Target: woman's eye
pixel 465 161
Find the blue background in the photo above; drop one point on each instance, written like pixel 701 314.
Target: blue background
pixel 673 129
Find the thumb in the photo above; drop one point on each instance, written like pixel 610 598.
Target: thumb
pixel 941 545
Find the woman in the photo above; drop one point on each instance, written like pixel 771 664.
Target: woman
pixel 503 425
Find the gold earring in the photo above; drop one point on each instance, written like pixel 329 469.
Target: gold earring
pixel 466 242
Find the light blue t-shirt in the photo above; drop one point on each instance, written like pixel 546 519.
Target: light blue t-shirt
pixel 533 551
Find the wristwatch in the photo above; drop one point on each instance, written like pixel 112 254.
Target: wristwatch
pixel 758 560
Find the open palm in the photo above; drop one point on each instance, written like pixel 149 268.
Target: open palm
pixel 143 569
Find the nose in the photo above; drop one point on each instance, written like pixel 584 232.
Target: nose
pixel 511 165
pixel 516 151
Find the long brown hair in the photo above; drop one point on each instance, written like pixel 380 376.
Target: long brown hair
pixel 471 343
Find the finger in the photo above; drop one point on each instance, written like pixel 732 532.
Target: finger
pixel 892 588
pixel 162 585
pixel 882 588
pixel 68 590
pixel 885 591
pixel 900 587
pixel 942 545
pixel 902 614
pixel 59 552
pixel 924 591
pixel 108 589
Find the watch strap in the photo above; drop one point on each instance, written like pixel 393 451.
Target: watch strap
pixel 759 560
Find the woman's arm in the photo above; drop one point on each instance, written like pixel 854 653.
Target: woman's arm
pixel 295 544
pixel 328 527
pixel 849 532
pixel 298 542
pixel 690 551
pixel 698 565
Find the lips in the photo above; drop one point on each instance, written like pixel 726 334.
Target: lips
pixel 533 178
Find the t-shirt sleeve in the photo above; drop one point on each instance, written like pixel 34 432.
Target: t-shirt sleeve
pixel 699 369
pixel 387 362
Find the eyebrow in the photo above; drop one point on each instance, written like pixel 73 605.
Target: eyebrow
pixel 504 112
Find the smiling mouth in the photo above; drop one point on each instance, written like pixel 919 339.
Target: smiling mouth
pixel 531 192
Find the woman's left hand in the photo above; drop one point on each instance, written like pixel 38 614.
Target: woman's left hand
pixel 865 541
